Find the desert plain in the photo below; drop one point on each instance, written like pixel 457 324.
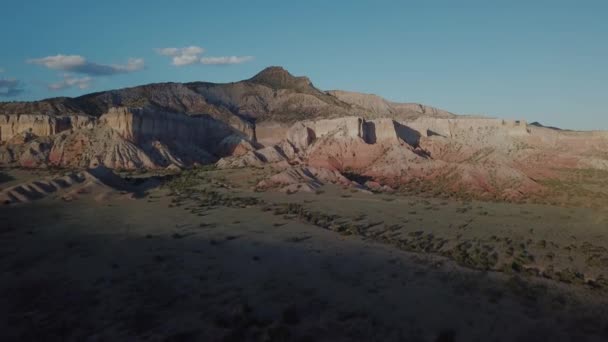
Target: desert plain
pixel 270 210
pixel 201 255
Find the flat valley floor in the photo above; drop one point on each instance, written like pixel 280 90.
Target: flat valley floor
pixel 202 257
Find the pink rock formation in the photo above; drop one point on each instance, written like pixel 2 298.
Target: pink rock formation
pixel 492 157
pixel 275 118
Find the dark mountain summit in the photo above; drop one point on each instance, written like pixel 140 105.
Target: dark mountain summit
pixel 278 78
pixel 273 94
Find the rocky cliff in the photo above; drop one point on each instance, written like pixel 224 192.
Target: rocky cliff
pixel 40 124
pixel 122 138
pixel 490 157
pixel 279 120
pixel 183 119
pixel 139 125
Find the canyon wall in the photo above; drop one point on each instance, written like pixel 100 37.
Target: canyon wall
pixel 469 130
pixel 383 131
pixel 122 138
pixel 201 132
pixel 139 126
pixel 468 127
pixel 40 124
pixel 270 133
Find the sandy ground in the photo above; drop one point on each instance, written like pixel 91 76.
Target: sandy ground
pixel 178 265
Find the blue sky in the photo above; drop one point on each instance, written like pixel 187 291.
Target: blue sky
pixel 536 60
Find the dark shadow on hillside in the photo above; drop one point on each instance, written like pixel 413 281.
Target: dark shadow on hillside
pixel 407 134
pixel 4 177
pixel 139 186
pixel 355 177
pixel 369 132
pixel 538 124
pixel 430 133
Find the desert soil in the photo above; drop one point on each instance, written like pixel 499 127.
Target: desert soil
pixel 205 258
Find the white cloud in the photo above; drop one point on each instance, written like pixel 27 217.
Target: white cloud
pixel 226 60
pixel 192 55
pixel 60 62
pixel 133 64
pixel 1 70
pixel 79 64
pixel 70 81
pixel 10 87
pixel 182 56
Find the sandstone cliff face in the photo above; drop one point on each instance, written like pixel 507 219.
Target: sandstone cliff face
pixel 350 143
pixel 40 125
pixel 270 133
pixel 381 131
pixel 472 131
pixel 346 127
pixel 490 157
pixel 140 126
pixel 121 139
pixel 387 131
pixel 574 142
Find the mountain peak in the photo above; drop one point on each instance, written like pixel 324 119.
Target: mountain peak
pixel 278 77
pixel 273 72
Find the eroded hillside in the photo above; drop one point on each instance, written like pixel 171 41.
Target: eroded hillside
pixel 283 121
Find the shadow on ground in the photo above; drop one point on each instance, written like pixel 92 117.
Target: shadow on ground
pixel 71 276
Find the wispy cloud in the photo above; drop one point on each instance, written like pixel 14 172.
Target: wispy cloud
pixel 182 56
pixel 192 55
pixel 1 70
pixel 70 81
pixel 226 60
pixel 79 64
pixel 10 87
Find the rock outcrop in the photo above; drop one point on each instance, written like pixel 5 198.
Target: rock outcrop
pixel 490 157
pixel 138 125
pixel 124 138
pixel 40 124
